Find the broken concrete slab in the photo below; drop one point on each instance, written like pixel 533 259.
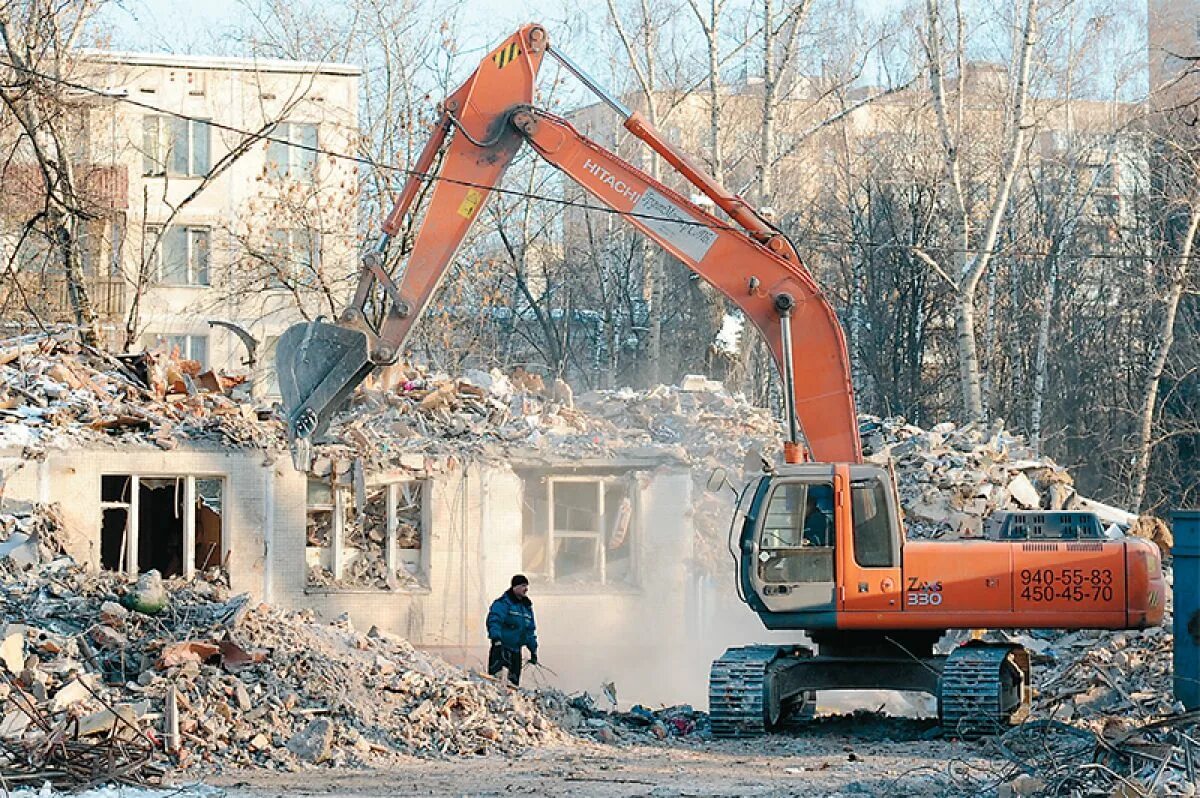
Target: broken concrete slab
pixel 1106 512
pixel 12 650
pixel 1022 491
pixel 21 549
pixel 312 744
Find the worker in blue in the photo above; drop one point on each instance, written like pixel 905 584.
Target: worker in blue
pixel 510 626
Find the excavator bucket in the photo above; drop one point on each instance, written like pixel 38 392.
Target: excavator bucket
pixel 319 366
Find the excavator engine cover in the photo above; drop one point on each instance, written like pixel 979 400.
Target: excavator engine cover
pixel 319 366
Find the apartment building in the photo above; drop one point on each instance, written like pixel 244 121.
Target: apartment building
pixel 215 196
pixel 1173 41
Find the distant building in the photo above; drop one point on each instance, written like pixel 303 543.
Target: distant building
pixel 1173 42
pixel 214 199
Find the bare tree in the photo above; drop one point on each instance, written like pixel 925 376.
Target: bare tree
pixel 710 16
pixel 1161 346
pixel 970 258
pixel 40 38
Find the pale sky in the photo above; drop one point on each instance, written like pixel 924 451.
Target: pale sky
pixel 183 26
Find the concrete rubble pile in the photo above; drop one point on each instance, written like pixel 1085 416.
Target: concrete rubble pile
pixel 953 479
pixel 55 391
pixel 1104 721
pixel 133 678
pixel 488 414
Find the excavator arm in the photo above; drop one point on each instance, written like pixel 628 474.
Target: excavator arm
pixel 485 122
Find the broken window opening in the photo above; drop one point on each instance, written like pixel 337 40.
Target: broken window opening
pixel 169 524
pixel 378 548
pixel 209 511
pixel 580 530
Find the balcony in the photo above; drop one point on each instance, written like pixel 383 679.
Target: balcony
pixel 46 295
pixel 102 189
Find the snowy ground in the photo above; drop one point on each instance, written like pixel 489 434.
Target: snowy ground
pixel 839 757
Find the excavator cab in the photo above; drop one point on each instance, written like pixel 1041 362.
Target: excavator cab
pixel 808 528
pixel 795 544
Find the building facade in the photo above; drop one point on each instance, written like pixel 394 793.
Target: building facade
pixel 218 194
pixel 422 549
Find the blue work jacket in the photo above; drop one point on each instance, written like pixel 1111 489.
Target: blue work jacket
pixel 510 620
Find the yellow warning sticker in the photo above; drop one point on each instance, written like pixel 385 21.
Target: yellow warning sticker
pixel 506 55
pixel 467 208
pixel 1153 598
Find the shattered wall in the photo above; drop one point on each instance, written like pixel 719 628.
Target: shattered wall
pixel 640 636
pixel 72 478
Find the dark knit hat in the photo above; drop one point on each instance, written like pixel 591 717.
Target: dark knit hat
pixel 519 579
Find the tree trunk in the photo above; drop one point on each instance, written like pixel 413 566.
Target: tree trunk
pixel 710 24
pixel 1041 358
pixel 63 204
pixel 766 141
pixel 652 257
pixel 975 266
pixel 1162 350
pixel 81 301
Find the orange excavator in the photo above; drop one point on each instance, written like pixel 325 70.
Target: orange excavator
pixel 819 540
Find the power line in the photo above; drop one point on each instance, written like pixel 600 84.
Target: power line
pixel 363 160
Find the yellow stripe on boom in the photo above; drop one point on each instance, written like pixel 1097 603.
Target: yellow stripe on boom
pixel 506 55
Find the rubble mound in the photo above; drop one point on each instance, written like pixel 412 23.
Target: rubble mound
pixel 1104 719
pixel 93 689
pixel 54 390
pixel 953 479
pixel 491 415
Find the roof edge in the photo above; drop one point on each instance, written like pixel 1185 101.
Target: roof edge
pixel 230 63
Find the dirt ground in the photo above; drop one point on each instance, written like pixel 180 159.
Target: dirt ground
pixel 840 756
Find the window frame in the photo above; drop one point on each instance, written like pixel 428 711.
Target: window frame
pixel 158 146
pixel 799 548
pixel 190 495
pixel 300 163
pixel 883 515
pixel 159 256
pixel 342 496
pixel 186 350
pixel 598 536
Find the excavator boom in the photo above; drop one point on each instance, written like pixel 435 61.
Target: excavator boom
pixel 481 127
pixel 320 364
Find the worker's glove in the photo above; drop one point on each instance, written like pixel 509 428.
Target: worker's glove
pixel 533 657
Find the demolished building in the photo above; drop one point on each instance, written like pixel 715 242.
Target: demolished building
pixel 432 491
pixel 408 523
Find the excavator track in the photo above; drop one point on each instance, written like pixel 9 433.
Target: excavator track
pixel 983 689
pixel 743 699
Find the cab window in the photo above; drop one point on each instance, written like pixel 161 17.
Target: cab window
pixel 874 543
pixel 796 543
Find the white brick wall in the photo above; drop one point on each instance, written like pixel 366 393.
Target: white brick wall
pixel 649 639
